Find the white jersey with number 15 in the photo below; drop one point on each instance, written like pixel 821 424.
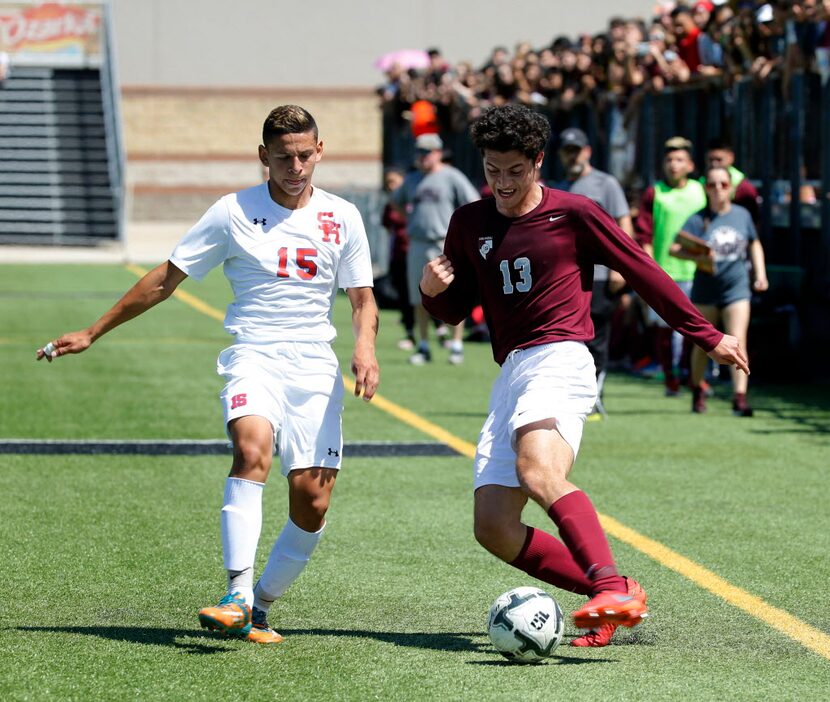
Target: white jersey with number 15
pixel 284 266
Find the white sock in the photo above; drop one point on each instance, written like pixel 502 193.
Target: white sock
pixel 241 525
pixel 242 583
pixel 457 346
pixel 291 552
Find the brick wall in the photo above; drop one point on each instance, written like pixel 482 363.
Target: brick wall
pixel 187 146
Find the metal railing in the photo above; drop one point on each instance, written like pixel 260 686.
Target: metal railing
pixel 111 97
pixel 781 136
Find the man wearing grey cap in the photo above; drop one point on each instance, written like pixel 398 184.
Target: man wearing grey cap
pixel 583 179
pixel 430 196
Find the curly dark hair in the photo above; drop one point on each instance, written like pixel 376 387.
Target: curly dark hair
pixel 511 128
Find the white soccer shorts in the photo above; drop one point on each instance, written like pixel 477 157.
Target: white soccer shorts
pixel 297 386
pixel 552 381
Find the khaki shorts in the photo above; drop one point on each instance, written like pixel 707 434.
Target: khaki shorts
pixel 297 387
pixel 552 381
pixel 419 254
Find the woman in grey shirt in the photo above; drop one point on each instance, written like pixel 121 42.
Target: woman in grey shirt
pixel 722 238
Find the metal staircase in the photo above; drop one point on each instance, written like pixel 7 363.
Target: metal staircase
pixel 60 164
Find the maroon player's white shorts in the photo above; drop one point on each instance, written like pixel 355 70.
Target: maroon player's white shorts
pixel 552 381
pixel 297 386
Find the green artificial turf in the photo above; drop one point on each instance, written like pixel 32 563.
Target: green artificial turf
pixel 107 559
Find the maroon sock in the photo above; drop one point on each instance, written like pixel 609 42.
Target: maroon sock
pixel 580 529
pixel 548 559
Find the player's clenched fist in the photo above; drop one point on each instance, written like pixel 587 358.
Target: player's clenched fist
pixel 438 274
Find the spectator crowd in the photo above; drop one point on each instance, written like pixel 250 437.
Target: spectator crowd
pixel 682 43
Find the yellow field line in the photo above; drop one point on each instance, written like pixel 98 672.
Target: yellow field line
pixel 465 448
pixel 185 297
pixel 799 631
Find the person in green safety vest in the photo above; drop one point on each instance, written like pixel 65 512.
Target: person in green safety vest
pixel 719 153
pixel 664 208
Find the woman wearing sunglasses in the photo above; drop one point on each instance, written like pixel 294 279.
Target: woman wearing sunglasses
pixel 720 239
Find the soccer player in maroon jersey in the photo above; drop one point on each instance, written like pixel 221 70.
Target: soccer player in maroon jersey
pixel 528 254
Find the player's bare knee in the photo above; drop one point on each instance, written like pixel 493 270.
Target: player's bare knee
pixel 541 483
pixel 250 458
pixel 487 535
pixel 497 537
pixel 309 515
pixel 317 506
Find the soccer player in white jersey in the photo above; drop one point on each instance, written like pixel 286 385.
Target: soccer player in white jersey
pixel 285 247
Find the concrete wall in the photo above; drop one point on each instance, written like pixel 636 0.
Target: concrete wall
pixel 329 42
pixel 199 76
pixel 186 147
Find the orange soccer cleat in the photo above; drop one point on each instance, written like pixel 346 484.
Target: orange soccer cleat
pixel 231 616
pixel 601 635
pixel 609 607
pixel 260 631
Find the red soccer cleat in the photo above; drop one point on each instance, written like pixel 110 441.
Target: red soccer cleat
pixel 609 607
pixel 698 400
pixel 601 635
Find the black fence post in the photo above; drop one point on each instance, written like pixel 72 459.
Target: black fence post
pixel 825 180
pixel 765 159
pixel 795 113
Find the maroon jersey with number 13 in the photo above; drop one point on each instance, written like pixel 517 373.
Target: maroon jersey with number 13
pixel 533 274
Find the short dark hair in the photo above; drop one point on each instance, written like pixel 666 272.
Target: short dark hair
pixel 288 119
pixel 681 10
pixel 719 144
pixel 511 128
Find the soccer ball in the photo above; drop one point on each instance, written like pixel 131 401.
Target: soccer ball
pixel 526 624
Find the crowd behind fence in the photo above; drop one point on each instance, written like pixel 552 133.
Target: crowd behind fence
pixel 753 73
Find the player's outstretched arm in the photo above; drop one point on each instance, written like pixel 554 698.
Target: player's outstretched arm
pixel 728 352
pixel 437 276
pixel 153 288
pixel 365 326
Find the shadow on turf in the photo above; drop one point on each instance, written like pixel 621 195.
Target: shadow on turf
pixel 452 641
pixel 142 635
pixel 553 660
pixel 446 641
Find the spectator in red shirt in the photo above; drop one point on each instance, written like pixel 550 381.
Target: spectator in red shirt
pixel 687 32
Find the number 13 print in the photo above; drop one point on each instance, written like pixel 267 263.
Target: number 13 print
pixel 525 279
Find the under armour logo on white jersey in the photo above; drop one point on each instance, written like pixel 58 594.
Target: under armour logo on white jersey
pixel 259 221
